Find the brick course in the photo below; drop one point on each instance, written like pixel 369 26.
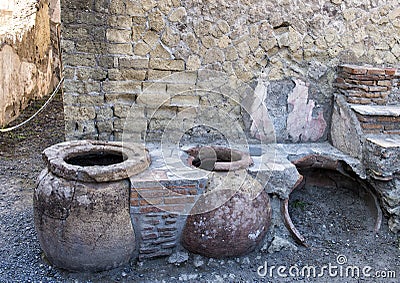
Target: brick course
pixel 159 209
pixel 365 84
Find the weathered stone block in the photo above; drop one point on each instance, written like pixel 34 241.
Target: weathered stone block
pixel 167 65
pixel 122 87
pixel 128 62
pixel 125 110
pixel 133 9
pixel 151 38
pixel 170 37
pixel 165 113
pixel 105 61
pixel 119 21
pixel 158 74
pixel 178 15
pixel 120 48
pixel 127 98
pixel 141 49
pixel 154 87
pixel 156 21
pixel 131 125
pixel 90 99
pixel 193 63
pixel 153 99
pixel 160 52
pixel 81 87
pixel 118 35
pixel 185 100
pixel 79 60
pixel 81 113
pixel 180 88
pixel 126 74
pixel 117 7
pixel 87 74
pixel 382 155
pixel 67 46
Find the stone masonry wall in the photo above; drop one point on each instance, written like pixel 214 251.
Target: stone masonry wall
pixel 286 50
pixel 28 54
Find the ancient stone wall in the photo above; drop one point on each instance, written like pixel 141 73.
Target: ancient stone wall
pixel 287 51
pixel 28 53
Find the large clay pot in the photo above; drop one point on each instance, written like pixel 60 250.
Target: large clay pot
pixel 81 204
pixel 231 219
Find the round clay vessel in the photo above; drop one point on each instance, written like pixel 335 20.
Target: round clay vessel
pixel 231 219
pixel 81 204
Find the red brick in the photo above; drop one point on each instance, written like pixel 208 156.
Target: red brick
pixel 377 88
pixel 362 118
pixel 175 208
pixel 168 245
pixel 371 126
pixel 358 100
pixel 182 187
pixel 376 71
pixel 192 192
pixel 387 119
pixel 134 202
pixel 363 77
pixel 387 83
pixel 134 194
pixel 372 131
pixel 148 228
pixel 352 86
pixel 353 69
pixel 157 188
pixel 168 234
pixel 179 200
pixel 171 215
pixel 390 71
pixel 355 93
pixel 152 222
pixel 153 193
pixel 151 201
pixel 392 132
pixel 178 192
pixel 163 229
pixel 150 209
pixel 380 101
pixel 339 81
pixel 356 82
pixel 372 95
pixel 384 94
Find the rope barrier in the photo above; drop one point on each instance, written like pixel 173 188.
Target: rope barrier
pixel 37 112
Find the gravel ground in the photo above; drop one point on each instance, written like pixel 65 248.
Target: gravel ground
pixel 335 220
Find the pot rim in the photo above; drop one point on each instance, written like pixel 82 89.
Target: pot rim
pixel 136 160
pixel 243 160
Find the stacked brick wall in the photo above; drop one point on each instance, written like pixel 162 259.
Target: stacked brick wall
pixel 365 85
pixel 158 209
pixel 379 124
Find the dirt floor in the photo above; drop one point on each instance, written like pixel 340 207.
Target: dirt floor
pixel 336 220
